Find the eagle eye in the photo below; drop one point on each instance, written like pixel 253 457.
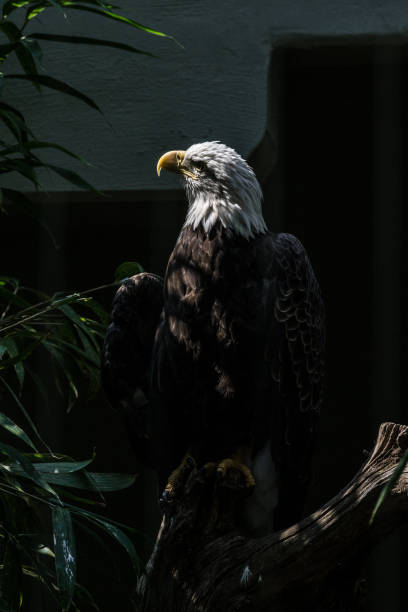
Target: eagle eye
pixel 199 164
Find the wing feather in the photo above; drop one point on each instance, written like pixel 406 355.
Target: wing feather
pixel 127 354
pixel 296 342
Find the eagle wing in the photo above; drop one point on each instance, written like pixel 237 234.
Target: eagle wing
pixel 295 350
pixel 126 355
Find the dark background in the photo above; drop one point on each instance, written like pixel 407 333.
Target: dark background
pixel 337 180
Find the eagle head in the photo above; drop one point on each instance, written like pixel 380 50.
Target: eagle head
pixel 221 187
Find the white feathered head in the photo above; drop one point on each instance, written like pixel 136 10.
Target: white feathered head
pixel 220 186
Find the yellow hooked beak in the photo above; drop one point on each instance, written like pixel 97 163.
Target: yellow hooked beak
pixel 173 161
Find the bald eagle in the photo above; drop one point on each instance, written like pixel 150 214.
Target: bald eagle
pixel 223 359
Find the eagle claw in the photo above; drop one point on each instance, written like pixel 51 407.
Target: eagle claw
pixel 234 474
pixel 166 501
pixel 177 480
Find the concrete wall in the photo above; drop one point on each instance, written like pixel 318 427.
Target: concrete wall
pixel 216 87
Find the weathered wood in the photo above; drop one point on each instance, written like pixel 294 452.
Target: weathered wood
pixel 203 562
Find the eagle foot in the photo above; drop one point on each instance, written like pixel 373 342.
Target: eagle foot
pixel 232 473
pixel 232 480
pixel 176 482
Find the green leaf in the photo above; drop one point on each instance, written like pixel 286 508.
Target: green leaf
pixel 65 556
pixel 113 531
pixel 56 84
pixel 85 40
pixel 12 298
pixel 8 424
pixel 11 5
pixel 21 166
pixel 9 345
pixel 36 10
pixel 57 467
pixel 72 177
pixel 39 7
pixel 106 481
pixel 390 485
pixel 10 30
pixel 28 470
pixel 6 49
pixel 91 347
pixel 27 61
pixel 79 480
pixel 116 17
pixel 91 481
pixel 127 269
pixel 70 349
pixel 34 48
pixel 39 383
pixel 99 311
pixel 11 280
pixel 60 359
pixel 26 147
pixel 24 411
pixel 15 122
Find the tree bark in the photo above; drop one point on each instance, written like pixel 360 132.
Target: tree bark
pixel 203 562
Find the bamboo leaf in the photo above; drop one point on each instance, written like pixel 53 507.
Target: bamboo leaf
pixel 24 411
pixel 36 10
pixel 39 384
pixel 21 166
pixel 116 17
pixel 27 61
pixel 91 481
pixel 57 467
pixel 6 49
pixel 56 84
pixel 19 358
pixel 11 5
pixel 79 480
pixel 34 48
pixel 61 361
pixel 85 40
pixel 8 345
pixel 99 311
pixel 72 177
pixel 91 347
pixel 113 531
pixel 11 280
pixel 27 470
pixel 39 7
pixel 26 147
pixel 8 424
pixel 13 298
pixel 15 122
pixel 10 30
pixel 106 481
pixel 65 556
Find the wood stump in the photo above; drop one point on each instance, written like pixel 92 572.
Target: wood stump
pixel 203 562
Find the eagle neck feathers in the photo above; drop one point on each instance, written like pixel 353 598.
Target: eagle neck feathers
pixel 236 208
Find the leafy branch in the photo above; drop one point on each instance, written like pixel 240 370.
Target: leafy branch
pixel 19 152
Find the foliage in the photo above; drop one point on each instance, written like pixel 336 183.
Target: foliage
pixel 19 150
pixel 41 503
pixel 33 479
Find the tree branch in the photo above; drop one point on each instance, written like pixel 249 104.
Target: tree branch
pixel 203 562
